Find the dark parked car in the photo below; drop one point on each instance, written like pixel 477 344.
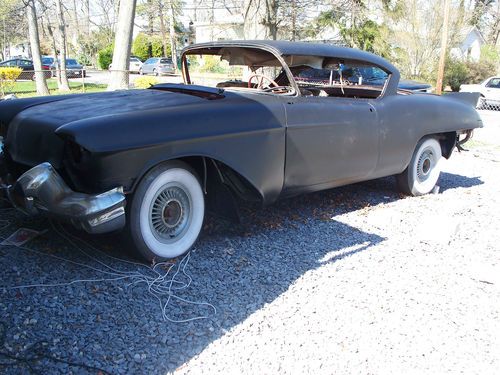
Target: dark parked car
pixel 73 69
pixel 153 161
pixel 25 64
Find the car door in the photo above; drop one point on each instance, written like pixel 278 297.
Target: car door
pixel 330 141
pixel 146 66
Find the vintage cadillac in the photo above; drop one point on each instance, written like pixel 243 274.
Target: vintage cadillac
pixel 152 162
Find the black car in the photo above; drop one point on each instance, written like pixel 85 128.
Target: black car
pixel 73 69
pixel 25 64
pixel 153 161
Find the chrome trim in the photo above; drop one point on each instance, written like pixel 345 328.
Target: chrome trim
pixel 42 190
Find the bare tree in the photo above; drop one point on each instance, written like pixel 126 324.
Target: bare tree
pixel 64 84
pixel 123 43
pixel 172 34
pixel 41 84
pixel 163 28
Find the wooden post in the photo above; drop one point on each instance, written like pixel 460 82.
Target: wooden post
pixel 444 42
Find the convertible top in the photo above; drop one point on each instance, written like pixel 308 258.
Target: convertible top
pixel 286 48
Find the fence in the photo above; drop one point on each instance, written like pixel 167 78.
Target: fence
pixel 488 104
pixel 87 80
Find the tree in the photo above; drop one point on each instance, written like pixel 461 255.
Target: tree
pixel 121 54
pixel 63 74
pixel 12 25
pixel 41 84
pixel 145 46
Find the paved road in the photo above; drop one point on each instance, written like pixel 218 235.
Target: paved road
pixel 102 77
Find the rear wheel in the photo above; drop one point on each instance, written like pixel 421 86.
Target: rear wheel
pixel 167 211
pixel 155 72
pixel 422 174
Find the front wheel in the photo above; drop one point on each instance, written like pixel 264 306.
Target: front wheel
pixel 422 174
pixel 167 211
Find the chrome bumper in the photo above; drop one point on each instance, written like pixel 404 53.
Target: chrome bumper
pixel 42 190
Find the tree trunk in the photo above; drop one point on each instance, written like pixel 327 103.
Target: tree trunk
pixel 41 84
pixel 163 28
pixel 173 49
pixel 123 43
pixel 62 47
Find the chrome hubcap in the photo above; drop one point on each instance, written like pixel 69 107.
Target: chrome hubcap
pixel 170 213
pixel 425 164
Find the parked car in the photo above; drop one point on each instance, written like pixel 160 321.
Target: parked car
pixel 489 90
pixel 25 64
pixel 73 69
pixel 152 162
pixel 157 66
pixel 372 75
pixel 134 66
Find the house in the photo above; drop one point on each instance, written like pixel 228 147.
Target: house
pixel 470 47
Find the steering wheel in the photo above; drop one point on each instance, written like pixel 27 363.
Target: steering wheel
pixel 260 83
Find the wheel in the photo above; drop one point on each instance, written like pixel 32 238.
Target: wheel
pixel 141 72
pixel 424 169
pixel 167 211
pixel 155 73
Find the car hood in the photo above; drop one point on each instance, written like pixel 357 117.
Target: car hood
pixel 32 139
pixel 407 84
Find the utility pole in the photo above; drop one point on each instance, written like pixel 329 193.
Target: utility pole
pixel 444 42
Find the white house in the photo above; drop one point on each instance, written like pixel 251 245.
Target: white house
pixel 470 48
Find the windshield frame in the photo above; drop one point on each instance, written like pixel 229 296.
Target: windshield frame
pixel 197 50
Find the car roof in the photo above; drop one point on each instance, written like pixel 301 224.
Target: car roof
pixel 285 47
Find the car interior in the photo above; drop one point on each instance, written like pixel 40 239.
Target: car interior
pixel 253 69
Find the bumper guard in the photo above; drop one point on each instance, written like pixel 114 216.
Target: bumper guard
pixel 41 190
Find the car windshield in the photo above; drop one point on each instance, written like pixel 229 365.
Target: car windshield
pixel 47 60
pixel 165 61
pixel 71 62
pixel 237 68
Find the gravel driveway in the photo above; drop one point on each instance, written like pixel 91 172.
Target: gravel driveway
pixel 357 279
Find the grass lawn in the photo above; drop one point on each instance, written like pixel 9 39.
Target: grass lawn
pixel 25 89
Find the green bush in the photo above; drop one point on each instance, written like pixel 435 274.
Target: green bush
pixel 458 72
pixel 455 73
pixel 105 57
pixel 145 82
pixel 212 64
pixel 145 46
pixel 8 77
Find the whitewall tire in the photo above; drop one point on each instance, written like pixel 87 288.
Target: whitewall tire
pixel 422 174
pixel 167 211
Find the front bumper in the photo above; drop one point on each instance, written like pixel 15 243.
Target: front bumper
pixel 41 190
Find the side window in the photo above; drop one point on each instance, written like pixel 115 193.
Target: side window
pixel 24 63
pixel 494 83
pixel 330 77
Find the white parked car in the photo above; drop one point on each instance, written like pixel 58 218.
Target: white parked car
pixel 135 65
pixel 489 90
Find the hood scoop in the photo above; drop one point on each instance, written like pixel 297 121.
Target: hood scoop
pixel 209 93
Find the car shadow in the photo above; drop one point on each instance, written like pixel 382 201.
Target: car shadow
pixel 238 268
pixel 449 181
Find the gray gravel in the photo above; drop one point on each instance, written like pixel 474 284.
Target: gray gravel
pixel 353 280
